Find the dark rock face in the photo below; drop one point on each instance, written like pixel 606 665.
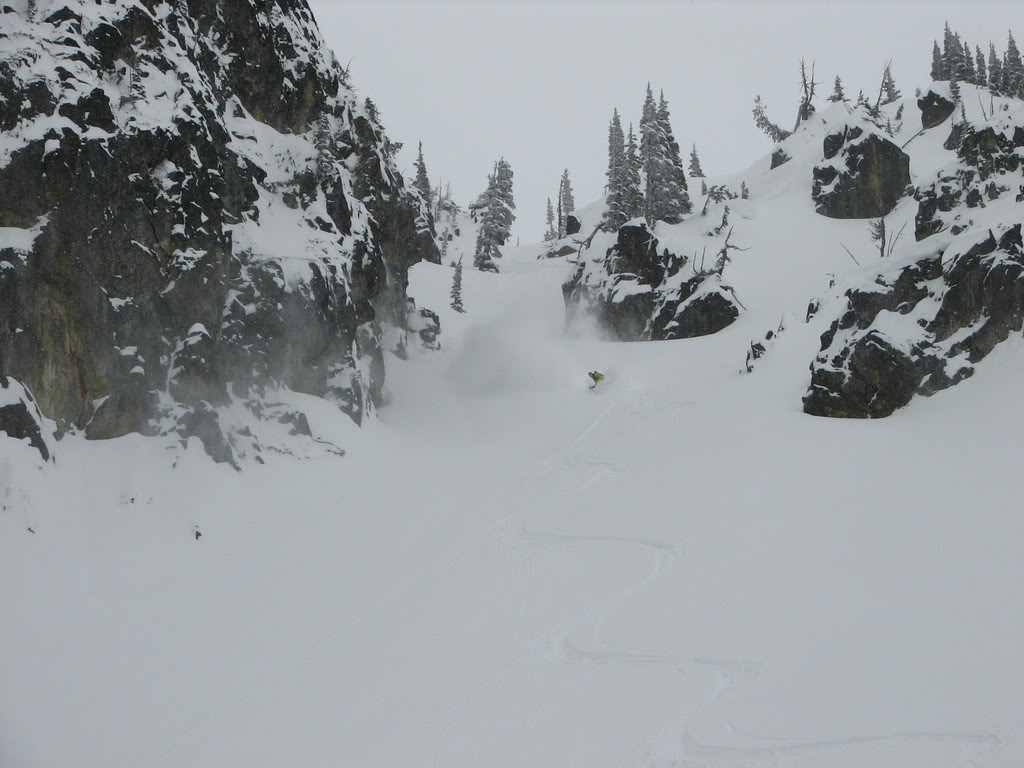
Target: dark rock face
pixel 867 181
pixel 984 158
pixel 560 252
pixel 572 225
pixel 935 109
pixel 964 304
pixel 232 225
pixel 19 416
pixel 637 294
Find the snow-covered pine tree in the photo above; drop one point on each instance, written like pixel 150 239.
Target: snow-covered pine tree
pixel 633 195
pixel 703 187
pixel 995 69
pixel 937 67
pixel 838 94
pixel 774 132
pixel 31 10
pixel 696 172
pixel 967 73
pixel 651 149
pixel 485 253
pixel 456 294
pixel 503 212
pixel 560 217
pixel 954 88
pixel 565 193
pixel 1013 68
pixel 550 233
pixel 980 71
pixel 495 214
pixel 949 54
pixel 744 191
pixel 371 110
pixel 890 92
pixel 674 190
pixel 615 196
pixel 422 181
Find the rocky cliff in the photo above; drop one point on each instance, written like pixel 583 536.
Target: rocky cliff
pixel 925 320
pixel 195 211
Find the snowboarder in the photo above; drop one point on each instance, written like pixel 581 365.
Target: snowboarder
pixel 195 530
pixel 597 377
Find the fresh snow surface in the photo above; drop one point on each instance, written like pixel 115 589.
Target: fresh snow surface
pixel 678 568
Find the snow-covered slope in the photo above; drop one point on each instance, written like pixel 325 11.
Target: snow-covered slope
pixel 679 567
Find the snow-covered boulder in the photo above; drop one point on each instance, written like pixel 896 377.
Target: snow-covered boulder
pixel 864 176
pixel 20 418
pixel 935 109
pixel 636 293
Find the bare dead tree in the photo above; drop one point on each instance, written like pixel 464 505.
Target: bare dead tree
pixel 723 254
pixel 808 87
pixel 851 256
pixel 892 243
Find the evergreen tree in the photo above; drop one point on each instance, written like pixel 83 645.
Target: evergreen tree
pixel 1013 55
pixel 967 73
pixel 633 196
pixel 954 88
pixel 456 294
pixel 696 171
pixel 673 199
pixel 422 182
pixel 565 194
pixel 979 66
pixel 891 93
pixel 774 132
pixel 495 213
pixel 995 69
pixel 561 217
pixel 949 55
pixel 615 196
pixel 651 148
pixel 838 94
pixel 550 233
pixel 485 253
pixel 371 110
pixel 744 191
pixel 31 10
pixel 937 66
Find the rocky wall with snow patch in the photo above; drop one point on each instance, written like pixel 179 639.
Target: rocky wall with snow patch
pixel 195 210
pixel 923 324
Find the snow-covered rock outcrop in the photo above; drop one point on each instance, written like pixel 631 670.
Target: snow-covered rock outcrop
pixel 864 176
pixel 922 324
pixel 20 417
pixel 195 209
pixel 641 291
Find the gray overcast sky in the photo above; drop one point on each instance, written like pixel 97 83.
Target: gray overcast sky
pixel 536 82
